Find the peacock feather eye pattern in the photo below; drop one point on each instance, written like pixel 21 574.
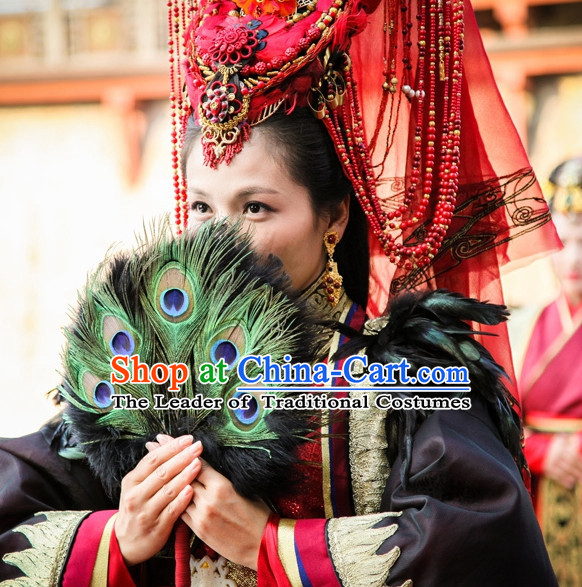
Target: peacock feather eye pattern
pixel 98 392
pixel 118 336
pixel 174 302
pixel 122 343
pixel 174 294
pixel 102 394
pixel 245 418
pixel 229 344
pixel 226 350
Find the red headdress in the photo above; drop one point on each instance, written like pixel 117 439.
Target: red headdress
pixel 413 111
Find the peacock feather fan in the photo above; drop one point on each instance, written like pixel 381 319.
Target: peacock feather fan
pixel 200 300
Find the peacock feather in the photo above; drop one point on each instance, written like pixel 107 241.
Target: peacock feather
pixel 197 300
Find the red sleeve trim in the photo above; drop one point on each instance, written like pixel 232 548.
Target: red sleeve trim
pixel 270 570
pixel 79 567
pixel 536 450
pixel 117 573
pixel 315 565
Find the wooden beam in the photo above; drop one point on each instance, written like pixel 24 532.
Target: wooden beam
pixel 539 61
pixel 142 87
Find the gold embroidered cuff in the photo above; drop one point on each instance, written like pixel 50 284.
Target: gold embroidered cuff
pixel 353 543
pixel 50 542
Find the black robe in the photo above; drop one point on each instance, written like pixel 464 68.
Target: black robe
pixel 34 478
pixel 466 519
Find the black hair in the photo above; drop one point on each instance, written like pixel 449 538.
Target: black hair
pixel 304 143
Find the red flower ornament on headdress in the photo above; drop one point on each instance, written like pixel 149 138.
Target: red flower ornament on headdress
pixel 233 44
pixel 263 57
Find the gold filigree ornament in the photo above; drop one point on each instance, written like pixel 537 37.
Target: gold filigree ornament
pixel 331 89
pixel 332 280
pixel 222 134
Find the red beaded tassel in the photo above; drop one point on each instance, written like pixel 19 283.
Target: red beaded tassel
pixel 412 233
pixel 180 109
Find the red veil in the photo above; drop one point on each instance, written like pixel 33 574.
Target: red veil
pixel 498 197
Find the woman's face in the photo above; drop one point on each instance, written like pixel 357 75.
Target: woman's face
pixel 278 211
pixel 568 262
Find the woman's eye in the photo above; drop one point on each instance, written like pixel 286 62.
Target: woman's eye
pixel 256 208
pixel 200 207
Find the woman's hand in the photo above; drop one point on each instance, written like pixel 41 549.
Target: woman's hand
pixel 563 462
pixel 154 495
pixel 230 524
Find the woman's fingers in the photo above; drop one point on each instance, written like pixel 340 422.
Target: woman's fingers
pixel 164 438
pixel 158 457
pixel 175 508
pixel 188 514
pixel 165 462
pixel 154 495
pixel 160 440
pixel 170 491
pixel 167 473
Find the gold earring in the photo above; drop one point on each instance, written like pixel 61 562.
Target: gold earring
pixel 332 280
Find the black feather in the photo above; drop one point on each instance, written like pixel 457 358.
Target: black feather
pixel 430 329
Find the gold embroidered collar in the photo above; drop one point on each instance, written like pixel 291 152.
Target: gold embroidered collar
pixel 316 300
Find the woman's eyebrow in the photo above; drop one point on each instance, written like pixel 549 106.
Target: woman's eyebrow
pixel 197 191
pixel 242 194
pixel 253 190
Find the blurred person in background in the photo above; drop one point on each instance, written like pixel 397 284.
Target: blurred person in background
pixel 551 391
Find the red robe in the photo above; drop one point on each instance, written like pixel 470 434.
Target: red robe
pixel 551 392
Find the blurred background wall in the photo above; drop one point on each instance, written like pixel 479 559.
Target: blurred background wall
pixel 84 152
pixel 84 159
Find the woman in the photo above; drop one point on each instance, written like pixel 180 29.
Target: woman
pixel 254 185
pixel 430 528
pixel 549 385
pixel 276 57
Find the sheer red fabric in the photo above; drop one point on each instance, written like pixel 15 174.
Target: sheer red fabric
pixel 498 200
